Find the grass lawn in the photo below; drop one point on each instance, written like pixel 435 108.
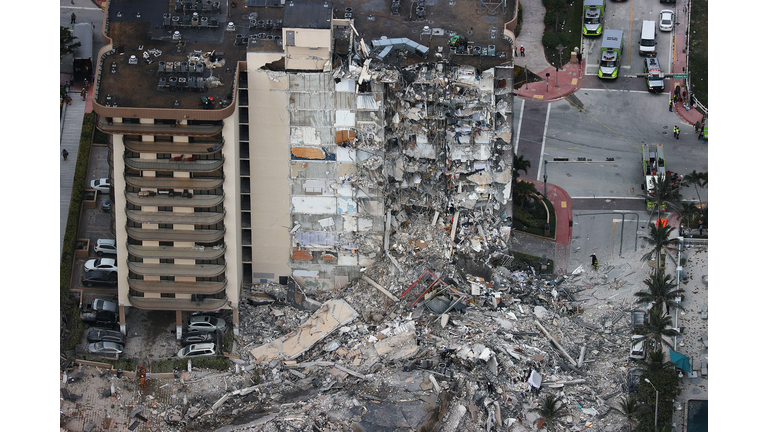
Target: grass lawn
pixel 569 36
pixel 532 221
pixel 697 54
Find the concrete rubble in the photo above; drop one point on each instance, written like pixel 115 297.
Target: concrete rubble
pixel 444 329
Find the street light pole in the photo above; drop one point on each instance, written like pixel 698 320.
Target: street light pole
pixel 656 415
pixel 545 179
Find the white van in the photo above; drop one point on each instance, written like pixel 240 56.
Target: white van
pixel 648 38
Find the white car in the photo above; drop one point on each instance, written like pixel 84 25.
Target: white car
pixel 207 324
pixel 101 185
pixel 198 350
pixel 103 304
pixel 107 349
pixel 637 352
pixel 108 264
pixel 666 20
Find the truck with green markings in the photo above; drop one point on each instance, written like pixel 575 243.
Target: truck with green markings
pixel 610 54
pixel 594 16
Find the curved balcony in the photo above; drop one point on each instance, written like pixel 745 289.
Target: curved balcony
pixel 200 236
pixel 194 148
pixel 208 304
pixel 195 270
pixel 172 165
pixel 174 182
pixel 170 252
pixel 204 288
pixel 158 129
pixel 163 200
pixel 197 218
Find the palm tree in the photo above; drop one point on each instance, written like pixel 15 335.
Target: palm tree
pixel 658 327
pixel 655 362
pixel 631 409
pixel 661 291
pixel 659 239
pixel 524 191
pixel 697 179
pixel 519 163
pixel 551 410
pixel 689 214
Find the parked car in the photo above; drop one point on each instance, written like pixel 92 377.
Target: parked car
pixel 666 20
pixel 100 335
pixel 637 351
pixel 207 323
pixel 103 304
pixel 108 264
pixel 106 349
pixel 106 205
pixel 638 319
pixel 99 318
pixel 99 277
pixel 198 350
pixel 101 185
pixel 633 380
pixel 197 337
pixel 105 246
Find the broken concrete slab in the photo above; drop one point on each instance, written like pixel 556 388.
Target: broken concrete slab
pixel 331 315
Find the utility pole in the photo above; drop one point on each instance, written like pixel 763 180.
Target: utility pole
pixel 656 415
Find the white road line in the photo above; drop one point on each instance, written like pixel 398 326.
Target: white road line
pixel 543 142
pixel 608 197
pixel 613 90
pixel 519 124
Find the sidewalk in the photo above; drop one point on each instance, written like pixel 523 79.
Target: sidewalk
pixel 70 140
pixel 679 61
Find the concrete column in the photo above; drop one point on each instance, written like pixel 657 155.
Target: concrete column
pixel 178 325
pixel 123 329
pixel 235 322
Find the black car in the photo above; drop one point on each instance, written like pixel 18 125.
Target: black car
pixel 106 336
pixel 195 337
pixel 633 380
pixel 99 277
pixel 100 318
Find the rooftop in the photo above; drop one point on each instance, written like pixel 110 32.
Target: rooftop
pixel 171 54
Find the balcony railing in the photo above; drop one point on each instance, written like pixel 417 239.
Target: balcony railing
pixel 158 129
pixel 206 288
pixel 174 182
pixel 209 304
pixel 199 236
pixel 189 164
pixel 195 270
pixel 166 200
pixel 196 218
pixel 170 252
pixel 196 148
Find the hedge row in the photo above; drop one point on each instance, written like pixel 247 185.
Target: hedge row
pixel 70 234
pixel 218 363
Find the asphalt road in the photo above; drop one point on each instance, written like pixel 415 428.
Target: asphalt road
pixel 598 124
pixel 629 17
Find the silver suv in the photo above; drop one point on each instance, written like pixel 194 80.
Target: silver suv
pixel 105 246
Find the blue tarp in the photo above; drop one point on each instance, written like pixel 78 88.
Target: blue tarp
pixel 680 360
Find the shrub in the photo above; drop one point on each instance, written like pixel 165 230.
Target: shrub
pixel 550 39
pixel 229 339
pixel 70 233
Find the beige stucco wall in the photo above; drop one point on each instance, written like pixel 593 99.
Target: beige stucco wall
pixel 232 235
pixel 270 157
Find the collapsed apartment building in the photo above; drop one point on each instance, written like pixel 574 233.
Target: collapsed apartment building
pixel 254 142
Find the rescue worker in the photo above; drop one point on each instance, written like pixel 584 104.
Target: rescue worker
pixel 676 131
pixel 594 261
pixel 670 104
